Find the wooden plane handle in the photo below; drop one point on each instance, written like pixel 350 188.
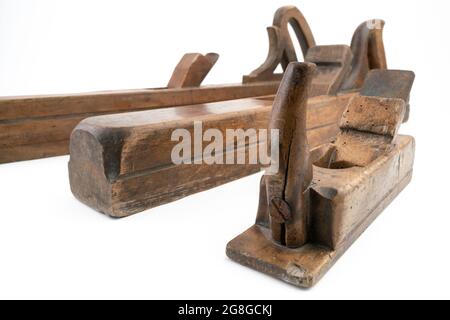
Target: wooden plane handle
pixel 287 191
pixel 281 47
pixel 368 52
pixel 291 15
pixel 192 70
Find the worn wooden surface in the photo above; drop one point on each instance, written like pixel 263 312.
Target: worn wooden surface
pixel 40 126
pixel 286 207
pixel 389 84
pixel 365 53
pixel 192 70
pixel 353 179
pixel 305 266
pixel 368 53
pixel 121 164
pixel 281 47
pixel 333 65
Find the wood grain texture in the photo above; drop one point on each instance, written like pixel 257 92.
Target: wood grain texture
pixel 192 70
pixel 333 65
pixel 289 225
pixel 350 64
pixel 40 126
pixel 121 164
pixel 281 48
pixel 368 53
pixel 305 266
pixel 353 179
pixel 389 84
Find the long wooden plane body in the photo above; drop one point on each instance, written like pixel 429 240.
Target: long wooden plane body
pixel 121 164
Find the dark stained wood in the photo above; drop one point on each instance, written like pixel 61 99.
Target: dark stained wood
pixel 333 65
pixel 368 52
pixel 390 84
pixel 281 47
pixel 131 159
pixel 353 179
pixel 121 164
pixel 266 71
pixel 290 15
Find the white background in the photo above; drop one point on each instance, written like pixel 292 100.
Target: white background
pixel 52 246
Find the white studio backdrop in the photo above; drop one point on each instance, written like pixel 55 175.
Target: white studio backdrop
pixel 52 246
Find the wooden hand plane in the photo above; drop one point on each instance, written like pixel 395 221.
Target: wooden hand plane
pixel 321 200
pixel 121 164
pixel 34 127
